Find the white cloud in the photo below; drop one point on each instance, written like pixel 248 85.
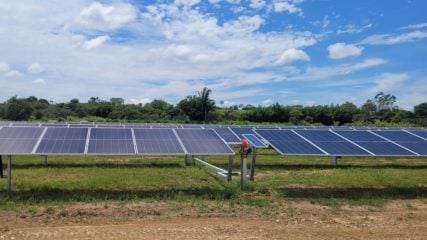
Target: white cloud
pixel 4 66
pixel 292 55
pixel 388 81
pixel 98 16
pixel 287 6
pixel 267 102
pixel 35 68
pixel 13 73
pixel 387 39
pixel 257 4
pixel 342 50
pixel 95 42
pixel 415 26
pixel 142 101
pixel 325 73
pixel 39 81
pixel 350 29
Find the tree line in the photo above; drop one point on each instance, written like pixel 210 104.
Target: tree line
pixel 200 108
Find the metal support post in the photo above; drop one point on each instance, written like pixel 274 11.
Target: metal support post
pixel 243 170
pixel 186 161
pixel 252 172
pixel 230 168
pixel 9 175
pixel 1 166
pixel 335 160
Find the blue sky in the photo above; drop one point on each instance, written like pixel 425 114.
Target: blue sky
pixel 248 52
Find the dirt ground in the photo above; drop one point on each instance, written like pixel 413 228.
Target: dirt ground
pixel 400 219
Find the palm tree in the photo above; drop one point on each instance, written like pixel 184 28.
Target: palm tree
pixel 206 102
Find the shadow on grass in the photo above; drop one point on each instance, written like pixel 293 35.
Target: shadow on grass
pixel 96 165
pixel 354 193
pixel 339 166
pixel 46 194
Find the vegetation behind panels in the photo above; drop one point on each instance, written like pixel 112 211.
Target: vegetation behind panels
pixel 200 108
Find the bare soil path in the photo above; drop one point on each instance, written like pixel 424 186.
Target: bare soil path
pixel 401 219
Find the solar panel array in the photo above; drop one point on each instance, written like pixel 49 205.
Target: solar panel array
pixel 346 142
pixel 175 139
pixel 105 141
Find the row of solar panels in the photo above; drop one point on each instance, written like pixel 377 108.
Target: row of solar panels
pixel 165 125
pixel 347 142
pixel 48 141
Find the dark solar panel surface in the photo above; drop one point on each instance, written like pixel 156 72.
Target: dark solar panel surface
pixel 19 140
pixel 157 141
pixel 420 133
pixel 63 140
pixel 203 141
pixel 111 141
pixel 242 130
pixel 331 143
pixel 406 140
pixel 227 135
pixel 373 143
pixel 254 140
pixel 287 142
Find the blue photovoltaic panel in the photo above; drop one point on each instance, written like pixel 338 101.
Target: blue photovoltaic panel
pixel 254 141
pixel 25 124
pixel 373 143
pixel 420 133
pixel 203 141
pixel 406 140
pixel 110 126
pixel 226 134
pixel 242 130
pixel 157 141
pixel 19 140
pixel 191 126
pixel 111 141
pixel 287 142
pixel 331 143
pixel 63 141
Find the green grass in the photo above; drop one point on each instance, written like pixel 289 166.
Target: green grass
pixel 71 179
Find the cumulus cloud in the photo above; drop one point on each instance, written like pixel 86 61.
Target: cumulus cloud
pixel 95 42
pixel 98 16
pixel 35 68
pixel 388 39
pixel 342 50
pixel 290 6
pixel 39 81
pixel 388 81
pixel 292 55
pixel 257 4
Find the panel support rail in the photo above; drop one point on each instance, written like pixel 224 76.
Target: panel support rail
pixel 225 174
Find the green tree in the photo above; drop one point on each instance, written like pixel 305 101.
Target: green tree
pixel 384 101
pixel 207 103
pixel 420 110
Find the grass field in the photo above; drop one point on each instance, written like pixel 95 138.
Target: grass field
pixel 72 179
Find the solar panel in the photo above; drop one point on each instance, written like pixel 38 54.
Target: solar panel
pixel 81 125
pixel 157 141
pixel 373 143
pixel 228 136
pixel 54 125
pixel 19 140
pixel 25 124
pixel 63 141
pixel 254 141
pixel 203 141
pixel 111 141
pixel 242 130
pixel 419 133
pixel 409 141
pixel 331 143
pixel 287 142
